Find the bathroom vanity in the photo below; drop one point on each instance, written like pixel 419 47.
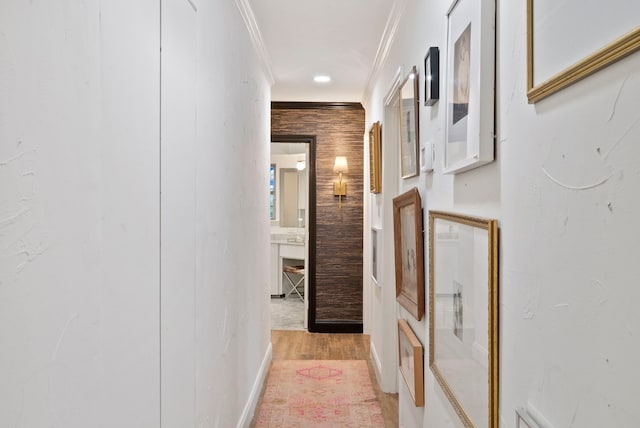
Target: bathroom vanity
pixel 284 247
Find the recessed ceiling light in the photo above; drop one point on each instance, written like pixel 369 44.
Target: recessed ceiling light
pixel 322 79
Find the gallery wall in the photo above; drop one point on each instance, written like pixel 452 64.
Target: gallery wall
pixel 118 305
pixel 564 189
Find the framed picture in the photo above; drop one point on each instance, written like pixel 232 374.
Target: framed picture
pixel 469 112
pixel 375 158
pixel 411 359
pixel 409 125
pixel 432 76
pixel 555 62
pixel 375 255
pixel 463 314
pixel 409 259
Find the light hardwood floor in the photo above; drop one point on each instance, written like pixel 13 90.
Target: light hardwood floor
pixel 302 345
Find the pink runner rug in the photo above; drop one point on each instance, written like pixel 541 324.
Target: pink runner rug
pixel 319 393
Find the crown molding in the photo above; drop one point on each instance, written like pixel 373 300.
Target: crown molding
pixel 193 5
pixel 395 86
pixel 388 35
pixel 305 105
pixel 249 19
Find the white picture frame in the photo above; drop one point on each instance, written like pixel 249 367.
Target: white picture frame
pixel 469 85
pixel 409 125
pixel 376 256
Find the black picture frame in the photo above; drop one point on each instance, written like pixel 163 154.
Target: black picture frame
pixel 432 76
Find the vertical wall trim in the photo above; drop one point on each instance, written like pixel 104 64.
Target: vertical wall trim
pixel 195 224
pixel 160 222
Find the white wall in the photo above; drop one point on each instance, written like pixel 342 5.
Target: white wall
pixel 80 217
pixel 178 207
pixel 79 214
pixel 567 272
pixel 232 215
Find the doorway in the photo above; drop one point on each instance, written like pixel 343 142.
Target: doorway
pixel 292 215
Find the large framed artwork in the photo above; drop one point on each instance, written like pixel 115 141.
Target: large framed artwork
pixel 411 360
pixel 463 314
pixel 409 126
pixel 469 130
pixel 555 61
pixel 375 158
pixel 409 250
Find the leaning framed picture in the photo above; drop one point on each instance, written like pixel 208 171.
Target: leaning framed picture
pixel 469 112
pixel 411 360
pixel 375 158
pixel 408 243
pixel 409 126
pixel 463 314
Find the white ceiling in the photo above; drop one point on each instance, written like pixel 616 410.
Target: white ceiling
pixel 304 38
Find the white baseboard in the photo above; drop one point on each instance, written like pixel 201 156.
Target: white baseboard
pixel 377 365
pixel 252 402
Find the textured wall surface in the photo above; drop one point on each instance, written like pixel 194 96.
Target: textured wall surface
pixel 120 307
pixel 338 231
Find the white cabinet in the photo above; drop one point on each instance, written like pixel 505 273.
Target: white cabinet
pixel 292 251
pixel 280 251
pixel 274 280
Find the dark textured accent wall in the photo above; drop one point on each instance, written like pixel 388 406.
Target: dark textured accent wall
pixel 339 132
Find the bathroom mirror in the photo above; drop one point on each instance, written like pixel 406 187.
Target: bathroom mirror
pixel 291 183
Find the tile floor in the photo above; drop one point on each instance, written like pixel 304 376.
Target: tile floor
pixel 287 314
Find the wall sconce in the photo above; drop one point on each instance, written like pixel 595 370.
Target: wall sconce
pixel 301 165
pixel 340 187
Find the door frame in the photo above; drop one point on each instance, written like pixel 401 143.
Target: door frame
pixel 310 270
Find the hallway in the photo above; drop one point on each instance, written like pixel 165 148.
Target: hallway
pixel 135 226
pixel 301 345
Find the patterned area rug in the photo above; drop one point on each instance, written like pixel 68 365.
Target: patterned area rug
pixel 319 393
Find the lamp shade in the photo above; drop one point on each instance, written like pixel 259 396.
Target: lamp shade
pixel 341 164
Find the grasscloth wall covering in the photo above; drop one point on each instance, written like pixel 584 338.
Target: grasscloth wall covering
pixel 339 132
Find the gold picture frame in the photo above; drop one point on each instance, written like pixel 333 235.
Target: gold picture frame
pixel 611 52
pixel 411 361
pixel 463 314
pixel 375 158
pixel 409 252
